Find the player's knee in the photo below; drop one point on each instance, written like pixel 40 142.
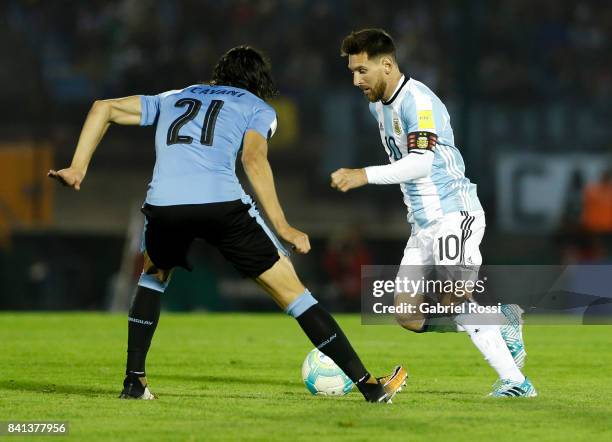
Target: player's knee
pixel 163 276
pixel 149 268
pixel 281 282
pixel 152 282
pixel 407 313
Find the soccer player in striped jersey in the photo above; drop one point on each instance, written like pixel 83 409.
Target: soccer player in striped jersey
pixel 194 193
pixel 447 220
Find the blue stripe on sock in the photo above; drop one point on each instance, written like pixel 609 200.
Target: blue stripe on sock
pixel 151 282
pixel 301 304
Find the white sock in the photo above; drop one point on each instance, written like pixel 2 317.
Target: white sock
pixel 488 339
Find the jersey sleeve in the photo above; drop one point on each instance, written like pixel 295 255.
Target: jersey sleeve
pixel 264 121
pixel 417 114
pixel 149 109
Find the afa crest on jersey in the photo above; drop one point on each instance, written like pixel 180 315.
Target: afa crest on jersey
pixel 397 128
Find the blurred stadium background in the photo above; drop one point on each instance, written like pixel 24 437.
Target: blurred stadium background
pixel 528 86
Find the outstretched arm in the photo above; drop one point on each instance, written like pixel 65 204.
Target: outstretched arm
pixel 259 172
pixel 417 164
pixel 124 111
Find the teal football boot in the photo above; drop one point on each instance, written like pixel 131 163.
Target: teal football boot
pixel 508 388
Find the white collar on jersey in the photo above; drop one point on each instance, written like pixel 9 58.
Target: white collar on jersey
pixel 400 84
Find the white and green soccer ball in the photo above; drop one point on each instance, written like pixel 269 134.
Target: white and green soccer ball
pixel 323 377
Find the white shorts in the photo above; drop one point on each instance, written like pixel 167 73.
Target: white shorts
pixel 453 239
pixel 447 250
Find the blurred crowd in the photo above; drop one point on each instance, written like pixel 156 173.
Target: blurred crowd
pixel 512 50
pixel 552 50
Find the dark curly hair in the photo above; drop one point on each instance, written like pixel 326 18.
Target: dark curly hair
pixel 246 68
pixel 373 42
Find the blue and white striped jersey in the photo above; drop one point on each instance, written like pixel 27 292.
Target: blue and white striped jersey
pixel 198 136
pixel 415 108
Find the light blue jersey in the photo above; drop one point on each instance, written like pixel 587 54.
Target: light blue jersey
pixel 415 108
pixel 198 136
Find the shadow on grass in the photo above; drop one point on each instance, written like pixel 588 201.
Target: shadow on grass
pixel 445 392
pixel 77 390
pixel 223 379
pixel 49 388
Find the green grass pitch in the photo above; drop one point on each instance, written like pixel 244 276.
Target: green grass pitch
pixel 237 377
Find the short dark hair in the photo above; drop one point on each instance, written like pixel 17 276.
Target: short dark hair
pixel 373 42
pixel 246 68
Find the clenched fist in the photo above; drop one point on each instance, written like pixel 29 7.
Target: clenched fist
pixel 347 179
pixel 298 239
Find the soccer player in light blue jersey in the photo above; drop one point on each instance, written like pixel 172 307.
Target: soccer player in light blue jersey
pixel 194 193
pixel 446 218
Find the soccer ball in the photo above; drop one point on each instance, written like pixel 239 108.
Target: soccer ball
pixel 323 377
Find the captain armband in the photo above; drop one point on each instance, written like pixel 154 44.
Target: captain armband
pixel 422 140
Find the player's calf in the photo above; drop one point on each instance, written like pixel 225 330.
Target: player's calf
pixel 326 335
pixel 484 331
pixel 419 321
pixel 282 283
pixel 412 318
pixel 142 322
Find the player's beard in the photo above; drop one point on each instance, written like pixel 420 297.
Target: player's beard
pixel 377 93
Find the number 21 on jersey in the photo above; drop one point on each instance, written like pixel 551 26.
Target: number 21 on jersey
pixel 193 107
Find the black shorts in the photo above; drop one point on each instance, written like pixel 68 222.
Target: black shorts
pixel 231 226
